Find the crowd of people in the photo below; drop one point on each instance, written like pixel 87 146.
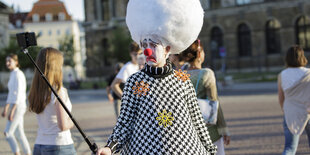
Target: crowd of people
pixel 54 123
pixel 154 94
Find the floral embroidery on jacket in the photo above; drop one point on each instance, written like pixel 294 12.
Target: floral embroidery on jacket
pixel 182 75
pixel 141 88
pixel 164 118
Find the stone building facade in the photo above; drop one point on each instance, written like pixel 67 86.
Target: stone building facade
pixel 4 24
pixel 253 34
pixel 101 18
pixel 242 34
pixel 51 23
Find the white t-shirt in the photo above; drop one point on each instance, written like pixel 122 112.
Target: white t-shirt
pixel 17 88
pixel 127 70
pixel 48 131
pixel 291 75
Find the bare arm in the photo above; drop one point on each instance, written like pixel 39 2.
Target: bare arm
pixel 110 97
pixel 280 93
pixel 11 115
pixel 63 120
pixel 116 87
pixel 5 110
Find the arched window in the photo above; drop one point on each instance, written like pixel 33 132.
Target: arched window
pixel 48 17
pixel 105 10
pixel 244 40
pixel 303 32
pixel 61 16
pixel 35 18
pixel 205 4
pixel 273 37
pixel 216 41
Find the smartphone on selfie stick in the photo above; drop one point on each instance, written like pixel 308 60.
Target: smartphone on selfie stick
pixel 27 39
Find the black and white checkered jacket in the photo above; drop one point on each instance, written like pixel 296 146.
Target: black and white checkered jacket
pixel 160 115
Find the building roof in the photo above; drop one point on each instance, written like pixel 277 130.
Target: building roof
pixel 13 17
pixel 4 9
pixel 42 7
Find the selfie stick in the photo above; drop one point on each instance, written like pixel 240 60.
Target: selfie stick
pixel 92 145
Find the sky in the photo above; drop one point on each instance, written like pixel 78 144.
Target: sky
pixel 74 7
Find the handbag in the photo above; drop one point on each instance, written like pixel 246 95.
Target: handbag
pixel 208 108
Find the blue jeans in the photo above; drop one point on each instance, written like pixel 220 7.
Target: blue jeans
pixel 54 149
pixel 291 140
pixel 14 131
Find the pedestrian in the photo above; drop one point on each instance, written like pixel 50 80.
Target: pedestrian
pixel 293 93
pixel 206 89
pixel 113 98
pixel 127 70
pixel 159 110
pixel 16 102
pixel 54 124
pixel 178 62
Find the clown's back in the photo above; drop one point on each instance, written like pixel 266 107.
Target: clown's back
pixel 160 115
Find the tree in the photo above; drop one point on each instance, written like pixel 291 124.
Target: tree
pixel 13 47
pixel 66 45
pixel 120 42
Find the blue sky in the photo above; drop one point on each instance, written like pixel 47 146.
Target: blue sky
pixel 74 7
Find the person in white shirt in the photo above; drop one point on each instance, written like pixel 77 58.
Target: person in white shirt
pixel 127 70
pixel 293 95
pixel 54 124
pixel 17 101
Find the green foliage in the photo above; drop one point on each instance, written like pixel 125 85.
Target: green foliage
pixel 120 42
pixel 66 45
pixel 13 47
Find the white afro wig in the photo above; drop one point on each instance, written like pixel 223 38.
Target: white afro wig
pixel 177 23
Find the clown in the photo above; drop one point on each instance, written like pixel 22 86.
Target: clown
pixel 154 51
pixel 159 111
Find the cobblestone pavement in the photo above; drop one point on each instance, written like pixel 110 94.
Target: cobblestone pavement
pixel 255 123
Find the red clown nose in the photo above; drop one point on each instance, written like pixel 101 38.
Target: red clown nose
pixel 148 52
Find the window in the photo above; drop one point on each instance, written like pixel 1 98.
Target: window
pixel 18 23
pixel 243 2
pixel 105 12
pixel 49 32
pixel 58 32
pixel 48 17
pixel 303 32
pixel 273 37
pixel 114 8
pixel 61 16
pixel 205 4
pixel 214 4
pixel 95 9
pixel 68 31
pixel 35 18
pixel 228 3
pixel 244 40
pixel 216 41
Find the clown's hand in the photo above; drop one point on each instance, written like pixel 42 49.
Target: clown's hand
pixel 104 151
